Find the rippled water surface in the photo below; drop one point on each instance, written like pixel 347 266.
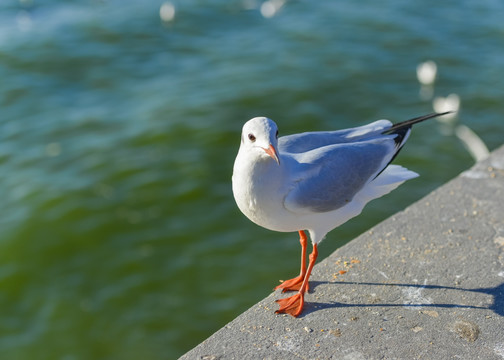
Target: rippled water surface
pixel 119 236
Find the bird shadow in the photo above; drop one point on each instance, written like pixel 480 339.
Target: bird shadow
pixel 496 292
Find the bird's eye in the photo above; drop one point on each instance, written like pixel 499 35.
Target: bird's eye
pixel 251 137
pixel 276 134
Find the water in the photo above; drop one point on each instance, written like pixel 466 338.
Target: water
pixel 119 236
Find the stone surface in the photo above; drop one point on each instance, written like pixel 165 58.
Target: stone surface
pixel 427 283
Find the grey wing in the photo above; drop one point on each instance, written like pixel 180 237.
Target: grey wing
pixel 299 143
pixel 328 178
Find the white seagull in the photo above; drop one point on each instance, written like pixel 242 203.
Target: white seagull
pixel 315 181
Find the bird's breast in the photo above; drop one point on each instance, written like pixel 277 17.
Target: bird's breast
pixel 258 192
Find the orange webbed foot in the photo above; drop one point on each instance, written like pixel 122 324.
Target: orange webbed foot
pixel 292 305
pixel 292 284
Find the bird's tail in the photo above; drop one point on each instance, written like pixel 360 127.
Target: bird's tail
pixel 388 180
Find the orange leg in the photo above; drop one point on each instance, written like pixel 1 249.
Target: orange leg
pixel 294 305
pixel 295 283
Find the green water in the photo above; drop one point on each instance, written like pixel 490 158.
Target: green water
pixel 119 236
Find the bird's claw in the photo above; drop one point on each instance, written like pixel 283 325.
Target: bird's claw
pixel 292 305
pixel 292 284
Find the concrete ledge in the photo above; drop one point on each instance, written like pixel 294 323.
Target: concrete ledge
pixel 426 283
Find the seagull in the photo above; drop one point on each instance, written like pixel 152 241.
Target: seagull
pixel 314 182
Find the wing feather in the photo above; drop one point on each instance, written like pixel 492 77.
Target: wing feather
pixel 332 175
pixel 299 143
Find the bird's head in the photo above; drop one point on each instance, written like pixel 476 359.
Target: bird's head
pixel 260 137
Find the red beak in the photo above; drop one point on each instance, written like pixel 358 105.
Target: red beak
pixel 271 151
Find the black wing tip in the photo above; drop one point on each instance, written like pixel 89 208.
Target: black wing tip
pixel 425 117
pixel 409 123
pixel 402 129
